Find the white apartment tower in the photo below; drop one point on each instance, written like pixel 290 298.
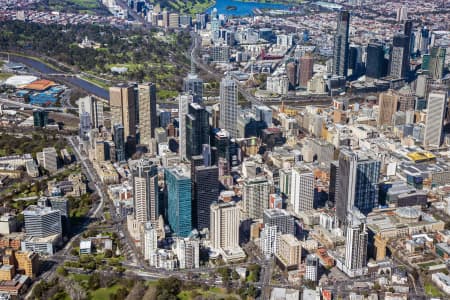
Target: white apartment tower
pixel 150 243
pixel 145 192
pixel 224 226
pixel 437 101
pixel 228 105
pixel 356 241
pixel 302 190
pixel 269 240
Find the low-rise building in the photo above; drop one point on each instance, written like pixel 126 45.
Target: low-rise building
pixel 106 172
pixel 442 281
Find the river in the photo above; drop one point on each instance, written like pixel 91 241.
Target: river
pixel 243 8
pixel 78 82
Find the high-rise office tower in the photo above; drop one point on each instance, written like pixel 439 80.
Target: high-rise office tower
pixel 224 225
pixel 437 104
pixel 375 63
pixel 387 107
pixel 356 241
pixel 146 192
pixel 85 125
pixel 291 72
pixel 183 108
pixel 311 267
pixel 41 222
pixel 357 183
pixel 269 240
pixel 302 190
pixel 434 62
pixel 280 218
pixel 94 107
pixel 228 105
pixel 197 129
pixel 119 142
pixel 406 99
pixel 40 118
pixel 306 69
pixel 407 30
pixel 402 13
pixel 192 84
pixel 334 181
pixel 355 63
pixel 255 197
pixel 179 210
pixel 122 103
pixel 341 44
pixel 205 186
pixel 399 60
pixel 147 112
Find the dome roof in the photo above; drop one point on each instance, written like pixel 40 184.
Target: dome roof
pixel 406 91
pixel 407 212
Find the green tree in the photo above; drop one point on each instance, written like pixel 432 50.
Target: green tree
pixel 61 271
pixel 94 281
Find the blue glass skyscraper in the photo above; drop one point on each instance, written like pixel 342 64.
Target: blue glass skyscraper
pixel 179 212
pixel 357 183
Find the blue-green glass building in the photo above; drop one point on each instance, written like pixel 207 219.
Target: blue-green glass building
pixel 179 212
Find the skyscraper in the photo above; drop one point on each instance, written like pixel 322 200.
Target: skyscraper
pixel 179 210
pixel 311 267
pixel 269 240
pixel 224 225
pixel 205 185
pixel 41 222
pixel 306 69
pixel 302 190
pixel 387 107
pixel 40 118
pixel 146 192
pixel 356 241
pixel 375 63
pixel 406 98
pixel 192 84
pixel 150 241
pixel 279 218
pixel 122 103
pixel 437 102
pixel 94 107
pixel 434 62
pixel 183 108
pixel 341 44
pixel 119 142
pixel 228 105
pixel 399 60
pixel 291 72
pixel 408 27
pixel 357 183
pixel 147 112
pixel 197 129
pixel 255 197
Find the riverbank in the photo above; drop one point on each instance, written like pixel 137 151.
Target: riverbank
pixel 47 69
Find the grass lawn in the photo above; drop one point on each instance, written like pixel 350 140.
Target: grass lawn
pixel 212 293
pixel 432 290
pixel 105 293
pixel 80 277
